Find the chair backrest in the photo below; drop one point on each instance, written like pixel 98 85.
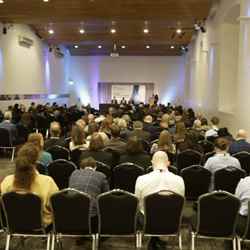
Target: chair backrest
pixel 41 168
pixel 117 212
pixel 163 213
pixel 207 146
pixel 5 138
pixel 197 180
pixel 217 214
pixel 59 152
pixel 71 212
pixel 188 158
pixel 104 168
pixel 244 159
pixel 23 212
pixel 246 233
pixel 60 171
pixel 125 175
pixel 75 156
pixel 228 178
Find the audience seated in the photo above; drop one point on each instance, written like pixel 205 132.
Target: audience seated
pixel 95 150
pixel 139 132
pixel 158 180
pixel 89 181
pixel 27 179
pixel 44 158
pixel 77 139
pixel 240 144
pixel 135 153
pixel 55 139
pixel 220 160
pixel 213 131
pixel 8 125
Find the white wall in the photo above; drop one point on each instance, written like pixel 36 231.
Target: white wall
pixel 167 73
pixel 29 70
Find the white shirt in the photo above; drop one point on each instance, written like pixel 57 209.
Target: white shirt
pixel 156 181
pixel 213 132
pixel 243 193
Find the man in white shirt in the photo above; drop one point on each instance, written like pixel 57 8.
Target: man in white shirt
pixel 159 179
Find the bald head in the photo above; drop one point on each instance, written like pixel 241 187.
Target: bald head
pixel 160 160
pixel 242 134
pixel 55 129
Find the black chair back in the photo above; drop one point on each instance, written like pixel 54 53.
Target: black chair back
pixel 125 175
pixel 197 180
pixel 23 212
pixel 228 178
pixel 41 168
pixel 217 214
pixel 71 212
pixel 60 171
pixel 163 213
pixel 117 212
pixel 59 152
pixel 244 159
pixel 104 168
pixel 5 138
pixel 75 156
pixel 188 158
pixel 207 146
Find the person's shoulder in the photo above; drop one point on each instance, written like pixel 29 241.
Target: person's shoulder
pixel 100 175
pixel 7 179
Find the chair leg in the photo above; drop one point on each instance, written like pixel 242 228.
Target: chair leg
pixel 140 239
pixel 53 242
pixel 7 244
pixel 234 243
pixel 48 241
pixel 93 242
pixel 13 154
pixel 97 241
pixel 193 241
pixel 239 243
pixel 180 241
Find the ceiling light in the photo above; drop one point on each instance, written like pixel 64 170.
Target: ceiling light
pixel 99 46
pixel 172 47
pixel 123 47
pixel 146 30
pixel 148 47
pixel 51 31
pixel 76 46
pixel 178 31
pixel 46 0
pixel 1 1
pixel 82 31
pixel 113 31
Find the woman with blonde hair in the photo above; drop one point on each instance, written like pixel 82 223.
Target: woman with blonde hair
pixel 36 139
pixel 77 139
pixel 27 179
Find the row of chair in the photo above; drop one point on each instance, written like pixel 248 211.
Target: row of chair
pixel 118 216
pixel 197 179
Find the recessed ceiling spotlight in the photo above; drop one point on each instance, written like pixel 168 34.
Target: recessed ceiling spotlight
pixel 99 46
pixel 1 1
pixel 179 31
pixel 123 47
pixel 51 31
pixel 148 47
pixel 82 31
pixel 172 47
pixel 146 31
pixel 76 46
pixel 46 1
pixel 113 31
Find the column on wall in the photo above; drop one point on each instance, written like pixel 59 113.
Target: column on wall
pixel 243 100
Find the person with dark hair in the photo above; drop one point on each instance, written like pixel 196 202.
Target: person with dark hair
pixel 26 178
pixel 135 153
pixel 95 150
pixel 116 144
pixel 89 181
pixel 221 159
pixel 213 132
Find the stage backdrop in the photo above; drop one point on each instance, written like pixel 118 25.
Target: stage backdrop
pixel 139 92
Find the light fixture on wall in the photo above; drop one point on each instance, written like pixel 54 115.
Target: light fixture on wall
pixel 76 46
pixel 179 31
pixel 113 31
pixel 123 46
pixel 82 31
pixel 172 47
pixel 71 82
pixel 51 31
pixel 148 47
pixel 99 46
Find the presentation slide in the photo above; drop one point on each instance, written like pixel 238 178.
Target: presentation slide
pixel 129 92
